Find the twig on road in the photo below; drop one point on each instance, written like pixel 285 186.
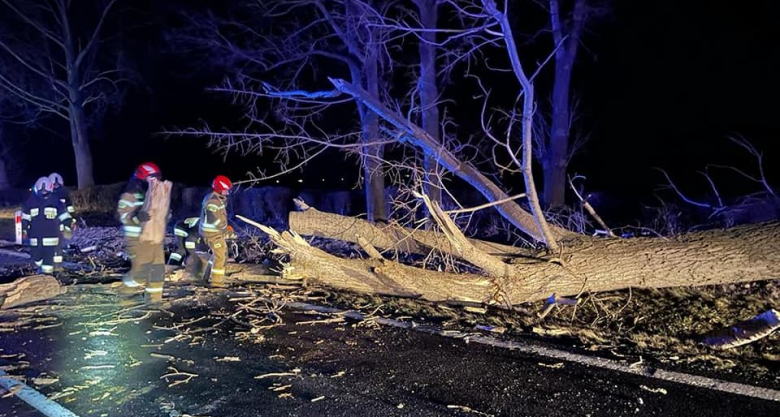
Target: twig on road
pixel 176 373
pixel 294 372
pixel 653 390
pixel 469 410
pixel 324 321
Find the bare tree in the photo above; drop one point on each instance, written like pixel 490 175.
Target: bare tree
pixel 15 114
pixel 287 56
pixel 572 264
pixel 429 92
pixel 5 158
pixel 567 31
pixel 480 32
pixel 58 43
pixel 743 208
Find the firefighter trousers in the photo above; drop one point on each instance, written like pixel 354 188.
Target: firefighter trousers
pixel 187 254
pixel 147 267
pixel 45 252
pixel 58 256
pixel 215 270
pixel 193 264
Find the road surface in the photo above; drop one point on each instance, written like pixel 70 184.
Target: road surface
pixel 114 368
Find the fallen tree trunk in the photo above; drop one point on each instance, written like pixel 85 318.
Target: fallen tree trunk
pixel 28 290
pixel 375 275
pixel 312 222
pixel 740 254
pixel 157 204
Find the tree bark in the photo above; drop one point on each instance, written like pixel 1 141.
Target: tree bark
pixel 312 222
pixel 364 70
pixel 5 182
pixel 529 105
pixel 28 290
pixel 81 148
pixel 373 155
pixel 76 113
pixel 429 94
pixel 555 160
pixel 374 275
pixel 557 151
pixel 157 203
pixel 741 254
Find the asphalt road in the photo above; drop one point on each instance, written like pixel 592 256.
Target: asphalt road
pixel 327 369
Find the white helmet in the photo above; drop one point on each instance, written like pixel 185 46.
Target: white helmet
pixel 43 184
pixel 56 178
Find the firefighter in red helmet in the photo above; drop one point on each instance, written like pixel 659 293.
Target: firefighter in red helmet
pixel 147 259
pixel 214 228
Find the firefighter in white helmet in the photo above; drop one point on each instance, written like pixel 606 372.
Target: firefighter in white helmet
pixel 66 230
pixel 60 191
pixel 43 215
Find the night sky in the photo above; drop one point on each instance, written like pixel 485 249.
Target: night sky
pixel 662 84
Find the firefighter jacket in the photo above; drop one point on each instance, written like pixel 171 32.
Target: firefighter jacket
pixel 64 196
pixel 213 215
pixel 130 203
pixel 43 217
pixel 187 234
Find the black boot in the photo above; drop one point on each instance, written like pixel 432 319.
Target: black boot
pixel 204 279
pixel 154 282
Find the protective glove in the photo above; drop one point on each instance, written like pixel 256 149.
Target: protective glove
pixel 143 216
pixel 231 234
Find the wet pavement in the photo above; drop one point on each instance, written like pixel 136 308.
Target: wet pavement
pixel 219 365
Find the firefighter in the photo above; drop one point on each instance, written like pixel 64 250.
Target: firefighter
pixel 214 229
pixel 189 243
pixel 61 192
pixel 190 247
pixel 66 230
pixel 42 217
pixel 147 259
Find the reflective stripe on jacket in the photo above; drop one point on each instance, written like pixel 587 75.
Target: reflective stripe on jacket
pixel 43 217
pixel 127 209
pixel 213 214
pixel 187 228
pixel 64 196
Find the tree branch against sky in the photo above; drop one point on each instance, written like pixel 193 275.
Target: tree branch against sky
pixel 58 44
pixel 281 63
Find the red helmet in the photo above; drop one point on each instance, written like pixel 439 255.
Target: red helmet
pixel 146 169
pixel 222 184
